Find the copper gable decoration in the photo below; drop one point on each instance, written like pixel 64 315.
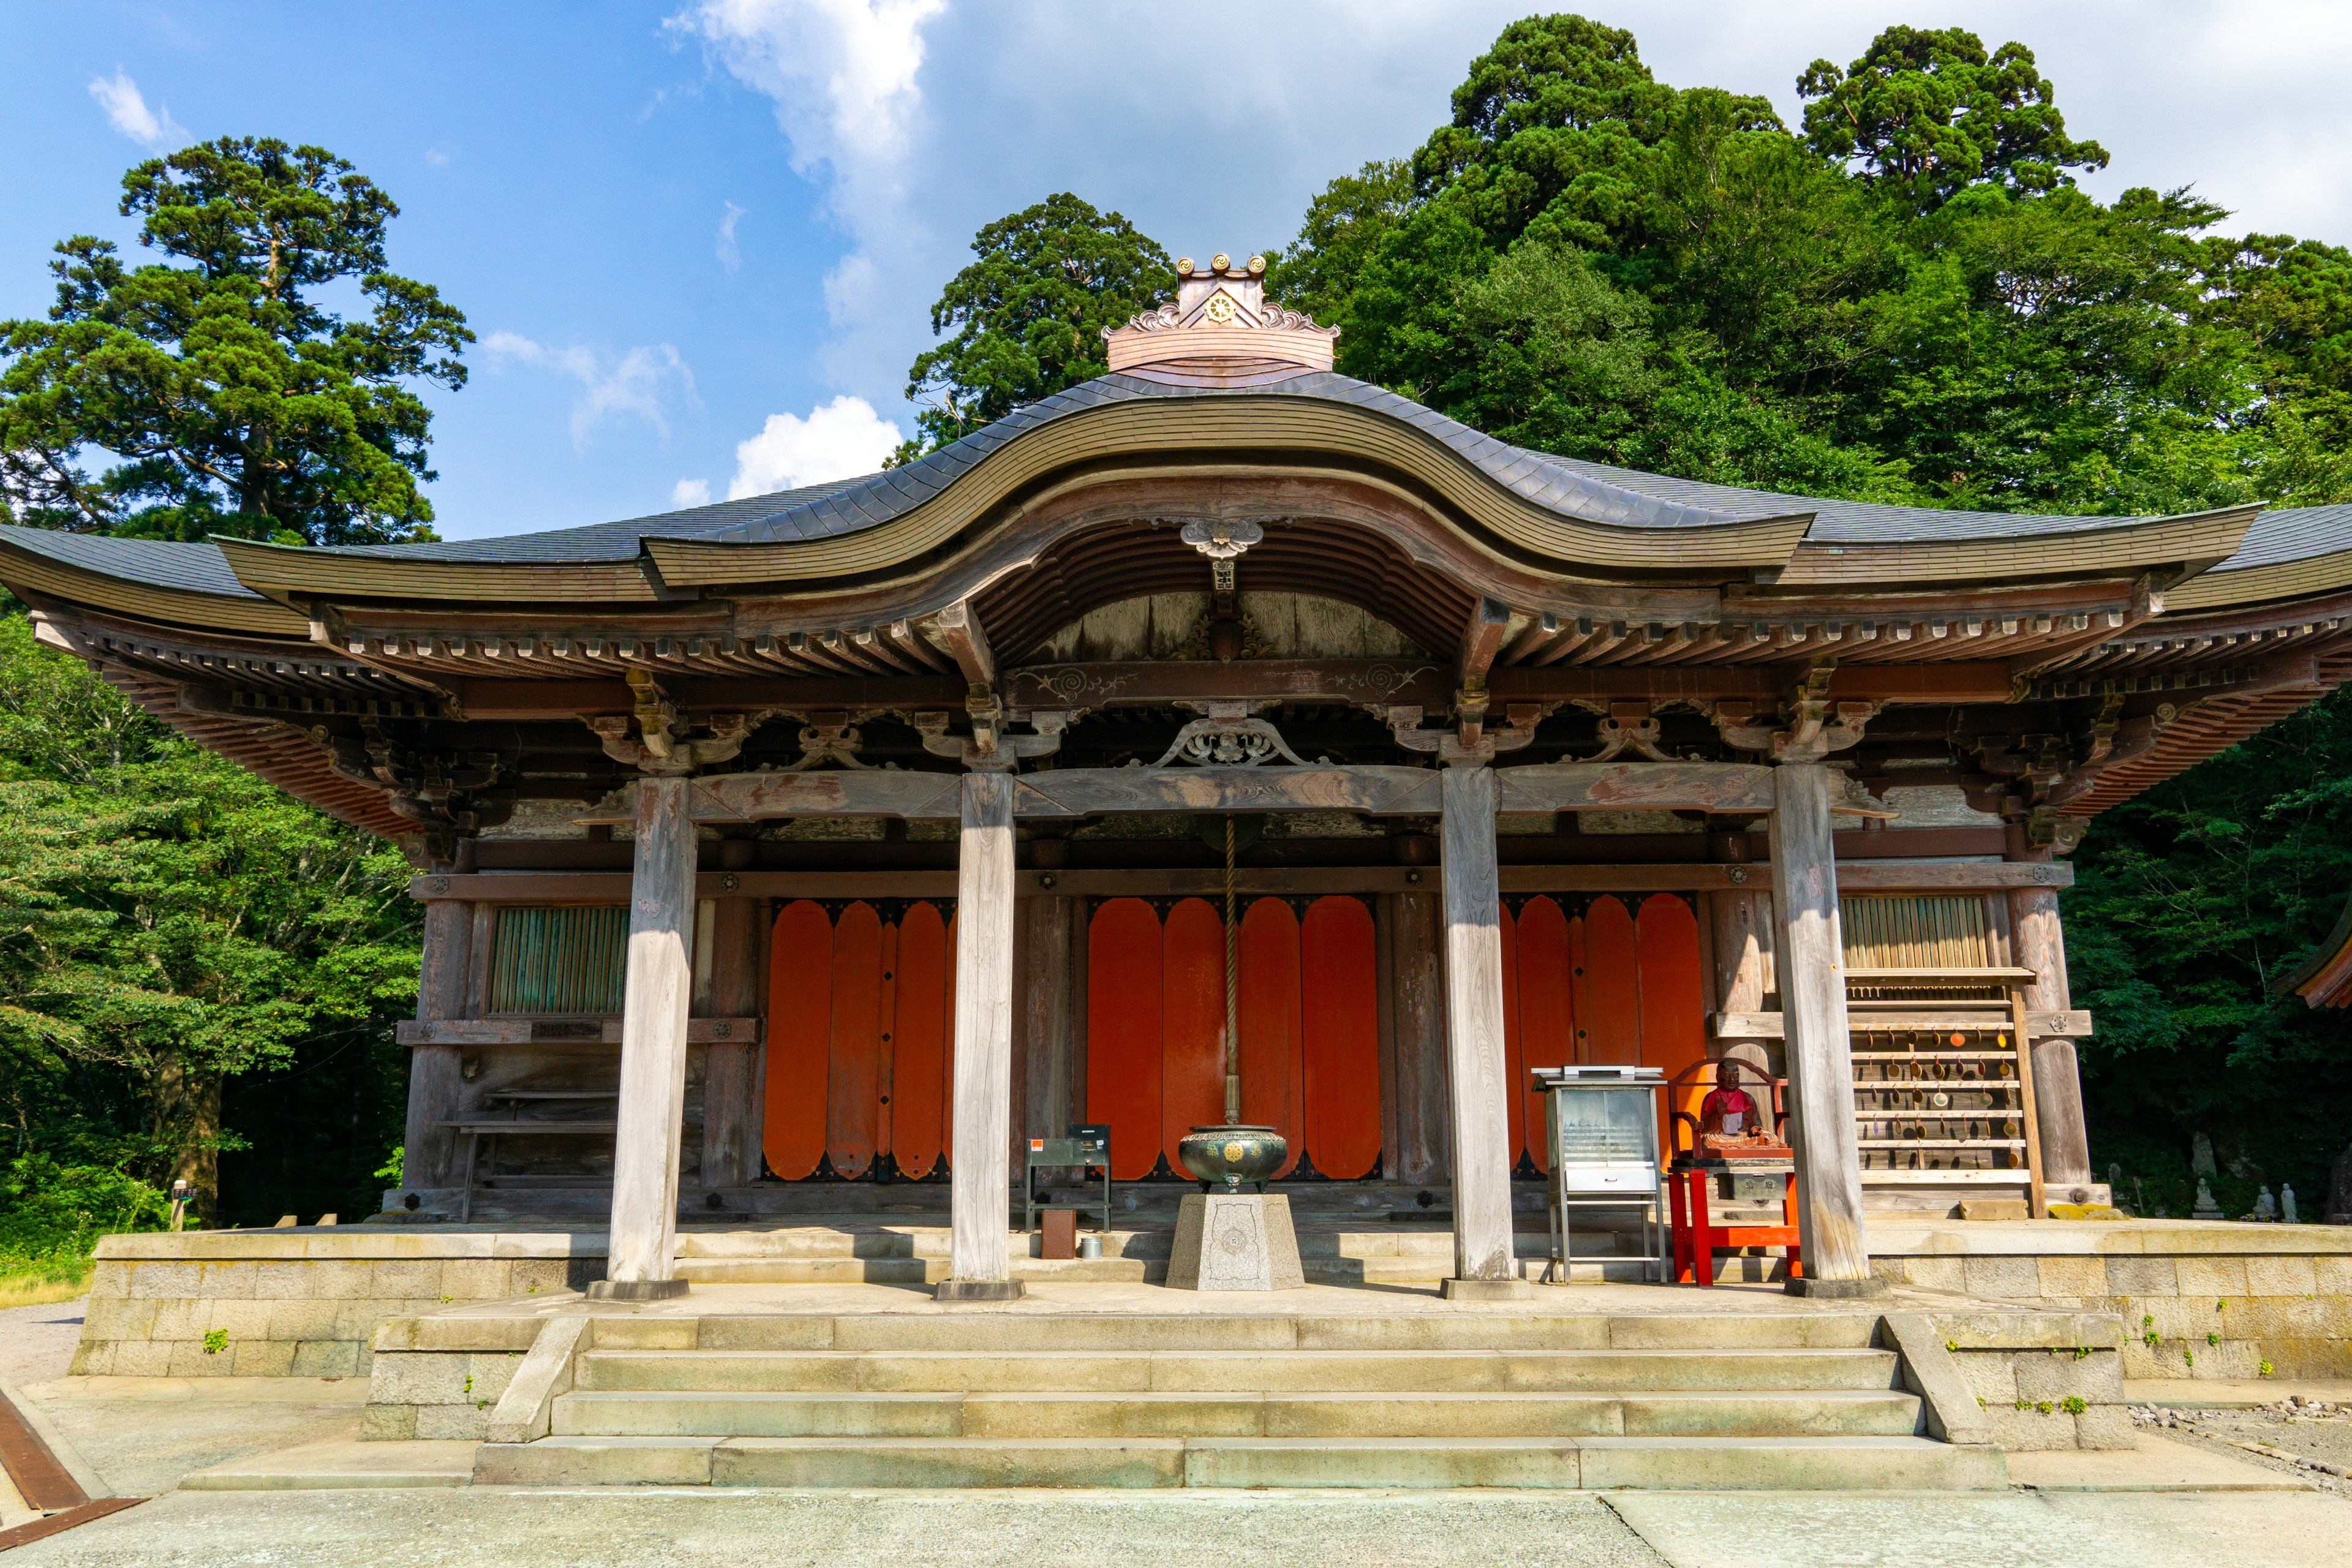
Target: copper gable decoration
pixel 1219 312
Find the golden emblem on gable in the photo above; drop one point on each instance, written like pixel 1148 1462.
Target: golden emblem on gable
pixel 1219 308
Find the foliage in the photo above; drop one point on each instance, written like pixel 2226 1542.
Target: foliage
pixel 1926 112
pixel 2189 901
pixel 51 1215
pixel 225 396
pixel 1908 302
pixel 169 921
pixel 1028 315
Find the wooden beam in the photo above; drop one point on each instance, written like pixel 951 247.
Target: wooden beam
pixel 1177 881
pixel 603 1030
pixel 1636 786
pixel 2043 1023
pixel 1482 639
pixel 1353 680
pixel 967 643
pixel 1089 791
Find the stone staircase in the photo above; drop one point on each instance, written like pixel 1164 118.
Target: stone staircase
pixel 1100 1399
pixel 860 1250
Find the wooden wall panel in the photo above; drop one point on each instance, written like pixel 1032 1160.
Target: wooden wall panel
pixel 1273 1091
pixel 1193 1028
pixel 1339 1003
pixel 1423 1140
pixel 800 1022
pixel 1547 1011
pixel 1123 1027
pixel 919 1083
pixel 855 1084
pixel 1611 982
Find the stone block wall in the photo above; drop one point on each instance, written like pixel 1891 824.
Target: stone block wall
pixel 2197 1299
pixel 441 1377
pixel 2042 1380
pixel 295 1303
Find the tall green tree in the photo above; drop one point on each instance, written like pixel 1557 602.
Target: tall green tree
pixel 1928 112
pixel 220 393
pixel 1025 319
pixel 169 921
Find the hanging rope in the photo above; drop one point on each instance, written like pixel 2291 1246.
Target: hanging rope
pixel 1233 992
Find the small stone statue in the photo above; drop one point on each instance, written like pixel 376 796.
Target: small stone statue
pixel 2265 1206
pixel 2206 1207
pixel 2287 1206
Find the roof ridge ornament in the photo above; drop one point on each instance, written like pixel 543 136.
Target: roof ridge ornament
pixel 1219 312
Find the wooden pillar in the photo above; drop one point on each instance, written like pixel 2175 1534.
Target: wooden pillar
pixel 1819 1053
pixel 641 1261
pixel 2039 942
pixel 1478 1074
pixel 435 1088
pixel 1418 1000
pixel 731 1068
pixel 981 1177
pixel 1740 923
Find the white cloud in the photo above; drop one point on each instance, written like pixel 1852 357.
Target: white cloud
pixel 639 381
pixel 435 157
pixel 729 256
pixel 127 111
pixel 838 440
pixel 844 77
pixel 690 492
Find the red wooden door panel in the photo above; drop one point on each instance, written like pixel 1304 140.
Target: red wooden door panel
pixel 1514 1102
pixel 948 1051
pixel 855 1084
pixel 1273 1047
pixel 800 1014
pixel 1192 1024
pixel 1674 1015
pixel 1611 982
pixel 1547 1011
pixel 1339 1050
pixel 919 1046
pixel 1124 974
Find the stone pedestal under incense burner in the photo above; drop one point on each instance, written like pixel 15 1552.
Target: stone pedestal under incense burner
pixel 1235 1241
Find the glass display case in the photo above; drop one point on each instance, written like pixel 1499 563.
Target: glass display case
pixel 1601 1128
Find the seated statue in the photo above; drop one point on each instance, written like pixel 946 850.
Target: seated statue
pixel 1731 1125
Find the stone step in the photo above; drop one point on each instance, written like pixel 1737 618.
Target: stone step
pixel 864 1240
pixel 1872 1463
pixel 1050 1332
pixel 1247 1371
pixel 1667 1412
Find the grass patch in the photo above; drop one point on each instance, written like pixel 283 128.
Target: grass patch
pixel 39 1286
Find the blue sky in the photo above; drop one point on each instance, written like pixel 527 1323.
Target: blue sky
pixel 699 239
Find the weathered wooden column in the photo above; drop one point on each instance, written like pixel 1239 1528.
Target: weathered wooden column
pixel 730 1067
pixel 641 1261
pixel 1819 1053
pixel 1474 1049
pixel 435 1089
pixel 980 1162
pixel 2038 941
pixel 1740 921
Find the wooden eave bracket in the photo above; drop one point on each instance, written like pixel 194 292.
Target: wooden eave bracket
pixel 1809 725
pixel 1404 724
pixel 1483 639
pixel 662 746
pixel 1003 751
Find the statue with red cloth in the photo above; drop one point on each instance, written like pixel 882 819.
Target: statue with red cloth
pixel 1731 1126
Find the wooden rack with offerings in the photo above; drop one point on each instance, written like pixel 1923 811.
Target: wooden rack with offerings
pixel 1942 1081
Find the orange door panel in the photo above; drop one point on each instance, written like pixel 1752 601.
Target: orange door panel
pixel 800 1013
pixel 1611 982
pixel 918 1043
pixel 1547 1011
pixel 1273 1064
pixel 1124 968
pixel 1673 1018
pixel 1192 1024
pixel 948 1051
pixel 855 1083
pixel 1515 1102
pixel 1340 1050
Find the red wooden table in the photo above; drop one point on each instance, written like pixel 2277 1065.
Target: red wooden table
pixel 1698 1238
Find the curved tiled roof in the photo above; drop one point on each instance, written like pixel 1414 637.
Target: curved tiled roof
pixel 2283 551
